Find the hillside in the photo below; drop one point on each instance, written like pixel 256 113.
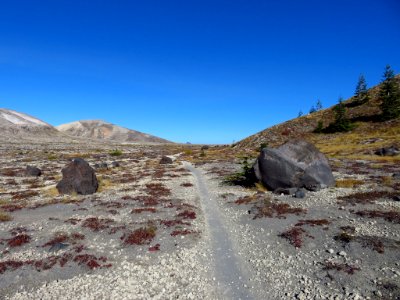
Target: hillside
pixel 16 126
pixel 364 116
pixel 98 129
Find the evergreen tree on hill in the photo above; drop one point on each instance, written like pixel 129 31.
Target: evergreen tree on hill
pixel 390 96
pixel 361 93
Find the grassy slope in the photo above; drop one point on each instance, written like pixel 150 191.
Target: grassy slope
pixel 357 144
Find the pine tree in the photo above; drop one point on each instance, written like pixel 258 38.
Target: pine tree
pixel 312 109
pixel 390 95
pixel 318 107
pixel 361 93
pixel 341 123
pixel 300 114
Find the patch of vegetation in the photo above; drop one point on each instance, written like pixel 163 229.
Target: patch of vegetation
pixel 157 190
pixel 4 217
pixel 348 183
pixel 390 96
pixel 97 224
pixel 340 267
pixel 187 214
pixel 170 223
pixel 245 177
pixel 182 232
pixel 143 209
pixel 341 122
pixel 312 223
pixel 141 236
pixel 294 236
pixel 18 240
pixel 364 197
pixel 115 152
pixel 277 210
pixel 392 216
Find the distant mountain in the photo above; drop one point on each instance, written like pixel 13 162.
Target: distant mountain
pixel 16 126
pixel 98 129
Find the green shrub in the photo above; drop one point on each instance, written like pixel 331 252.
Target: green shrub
pixel 115 152
pixel 245 177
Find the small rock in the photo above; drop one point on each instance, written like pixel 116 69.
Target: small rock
pixel 115 164
pixel 165 160
pixel 331 251
pixel 300 193
pixel 396 198
pixel 342 253
pixel 33 171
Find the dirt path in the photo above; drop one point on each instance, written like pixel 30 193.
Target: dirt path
pixel 229 276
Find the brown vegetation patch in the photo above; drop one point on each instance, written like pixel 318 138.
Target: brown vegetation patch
pixel 4 217
pixel 294 236
pixel 392 216
pixel 277 210
pixel 18 240
pixel 62 237
pixel 182 232
pixel 97 224
pixel 186 184
pixel 170 223
pixel 144 209
pixel 318 222
pixel 154 248
pixel 364 197
pixel 141 236
pixel 11 207
pixel 342 267
pixel 187 214
pixel 24 195
pixel 348 183
pixel 157 190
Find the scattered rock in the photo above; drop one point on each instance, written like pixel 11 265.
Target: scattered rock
pixel 78 177
pixel 396 175
pixel 296 164
pixel 388 151
pixel 286 191
pixel 115 164
pixel 33 171
pixel 331 251
pixel 396 198
pixel 300 193
pixel 342 253
pixel 101 166
pixel 165 160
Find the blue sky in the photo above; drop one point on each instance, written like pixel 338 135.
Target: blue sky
pixel 197 71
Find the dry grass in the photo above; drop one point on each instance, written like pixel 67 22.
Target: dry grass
pixel 4 217
pixel 50 191
pixel 348 183
pixel 104 184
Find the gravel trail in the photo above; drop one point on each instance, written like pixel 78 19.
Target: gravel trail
pixel 229 276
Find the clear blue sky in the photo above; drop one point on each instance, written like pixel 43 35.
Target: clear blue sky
pixel 199 71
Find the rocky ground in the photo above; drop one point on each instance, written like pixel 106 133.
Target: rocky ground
pixel 176 231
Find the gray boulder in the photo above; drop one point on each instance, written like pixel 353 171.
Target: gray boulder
pixel 78 177
pixel 296 164
pixel 33 171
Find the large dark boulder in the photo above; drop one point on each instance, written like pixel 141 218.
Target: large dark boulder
pixel 78 177
pixel 32 171
pixel 296 164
